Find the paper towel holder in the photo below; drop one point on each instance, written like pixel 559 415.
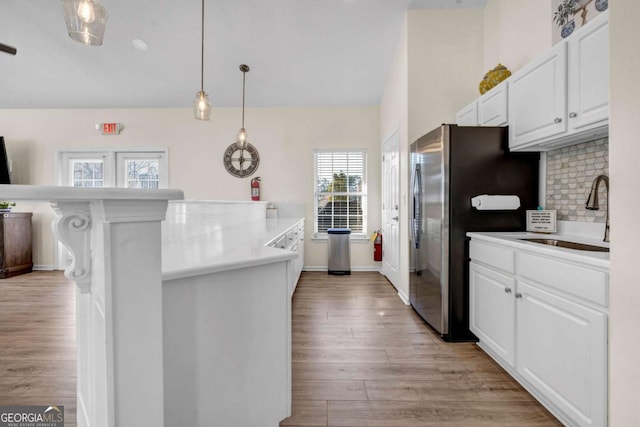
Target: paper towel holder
pixel 495 202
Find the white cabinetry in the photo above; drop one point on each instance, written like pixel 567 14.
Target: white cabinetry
pixel 588 83
pixel 292 240
pixel 492 106
pixel 488 110
pixel 537 98
pixel 492 310
pixel 545 321
pixel 468 116
pixel 563 97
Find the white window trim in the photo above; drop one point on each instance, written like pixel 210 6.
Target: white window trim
pixel 353 236
pixel 108 153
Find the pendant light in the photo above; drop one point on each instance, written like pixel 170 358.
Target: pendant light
pixel 202 105
pixel 86 21
pixel 242 134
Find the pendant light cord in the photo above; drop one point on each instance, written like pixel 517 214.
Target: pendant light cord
pixel 244 75
pixel 202 52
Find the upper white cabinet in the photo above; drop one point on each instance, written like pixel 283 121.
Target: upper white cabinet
pixel 488 110
pixel 492 107
pixel 588 83
pixel 468 116
pixel 537 98
pixel 562 98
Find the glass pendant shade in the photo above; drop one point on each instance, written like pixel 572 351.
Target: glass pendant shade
pixel 86 21
pixel 202 106
pixel 242 138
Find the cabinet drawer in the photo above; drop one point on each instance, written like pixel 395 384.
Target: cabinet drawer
pixel 591 285
pixel 495 256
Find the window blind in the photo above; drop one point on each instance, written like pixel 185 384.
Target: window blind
pixel 340 190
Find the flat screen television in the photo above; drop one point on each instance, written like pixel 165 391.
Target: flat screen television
pixel 5 177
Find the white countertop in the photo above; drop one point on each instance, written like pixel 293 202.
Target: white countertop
pixel 198 247
pixel 513 239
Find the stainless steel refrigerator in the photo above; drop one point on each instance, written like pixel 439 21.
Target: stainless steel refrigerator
pixel 450 165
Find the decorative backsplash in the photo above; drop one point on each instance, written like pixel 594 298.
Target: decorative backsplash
pixel 570 172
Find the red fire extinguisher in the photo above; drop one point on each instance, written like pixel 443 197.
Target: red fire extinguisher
pixel 255 188
pixel 377 246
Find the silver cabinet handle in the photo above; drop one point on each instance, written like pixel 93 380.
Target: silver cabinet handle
pixel 518 295
pixel 507 290
pixel 573 115
pixel 557 120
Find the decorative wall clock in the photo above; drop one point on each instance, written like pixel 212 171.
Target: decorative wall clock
pixel 241 162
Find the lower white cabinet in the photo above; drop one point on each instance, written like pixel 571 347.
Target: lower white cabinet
pixel 547 328
pixel 561 351
pixel 492 316
pixel 292 240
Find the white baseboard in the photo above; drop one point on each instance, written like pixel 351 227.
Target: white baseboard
pixel 404 298
pixel 325 268
pixel 40 267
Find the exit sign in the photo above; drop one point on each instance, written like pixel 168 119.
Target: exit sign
pixel 110 128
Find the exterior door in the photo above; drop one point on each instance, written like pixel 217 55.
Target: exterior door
pixel 391 209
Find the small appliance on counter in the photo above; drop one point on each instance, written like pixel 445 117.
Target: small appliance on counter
pixel 451 166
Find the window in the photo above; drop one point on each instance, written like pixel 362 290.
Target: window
pixel 341 190
pixel 109 167
pixel 135 168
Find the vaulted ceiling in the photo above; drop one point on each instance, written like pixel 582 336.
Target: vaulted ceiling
pixel 301 52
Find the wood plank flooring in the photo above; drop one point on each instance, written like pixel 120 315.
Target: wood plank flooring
pixel 38 342
pixel 363 358
pixel 360 358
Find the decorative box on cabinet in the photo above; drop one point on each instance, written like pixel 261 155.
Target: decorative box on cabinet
pixel 562 98
pixel 15 244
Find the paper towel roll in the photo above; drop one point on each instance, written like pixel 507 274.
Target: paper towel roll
pixel 486 202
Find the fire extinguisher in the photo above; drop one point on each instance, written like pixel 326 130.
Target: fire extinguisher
pixel 255 188
pixel 377 246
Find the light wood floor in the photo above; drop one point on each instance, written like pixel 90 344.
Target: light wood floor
pixel 37 342
pixel 360 358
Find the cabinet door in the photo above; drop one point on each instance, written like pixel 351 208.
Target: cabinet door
pixel 492 310
pixel 589 75
pixel 562 352
pixel 468 116
pixel 492 107
pixel 537 98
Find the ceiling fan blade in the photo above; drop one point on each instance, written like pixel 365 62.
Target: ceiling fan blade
pixel 8 49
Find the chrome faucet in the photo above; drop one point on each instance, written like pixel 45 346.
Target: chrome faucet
pixel 592 200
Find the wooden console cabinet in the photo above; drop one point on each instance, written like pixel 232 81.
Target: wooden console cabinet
pixel 15 244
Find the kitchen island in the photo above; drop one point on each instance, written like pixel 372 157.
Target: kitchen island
pixel 185 322
pixel 227 314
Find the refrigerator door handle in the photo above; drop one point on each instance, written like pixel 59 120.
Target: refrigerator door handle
pixel 417 207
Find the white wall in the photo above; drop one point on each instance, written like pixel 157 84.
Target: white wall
pixel 515 32
pixel 437 62
pixel 284 137
pixel 445 65
pixel 394 117
pixel 624 158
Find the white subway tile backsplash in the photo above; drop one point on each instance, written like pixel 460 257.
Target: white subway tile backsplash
pixel 570 172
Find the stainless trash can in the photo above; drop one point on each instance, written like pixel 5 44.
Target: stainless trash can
pixel 339 251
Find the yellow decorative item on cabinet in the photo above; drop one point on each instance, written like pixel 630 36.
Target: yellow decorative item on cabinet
pixel 493 78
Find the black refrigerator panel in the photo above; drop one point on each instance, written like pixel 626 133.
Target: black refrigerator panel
pixel 466 162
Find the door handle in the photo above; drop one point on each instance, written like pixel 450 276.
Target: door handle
pixel 395 218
